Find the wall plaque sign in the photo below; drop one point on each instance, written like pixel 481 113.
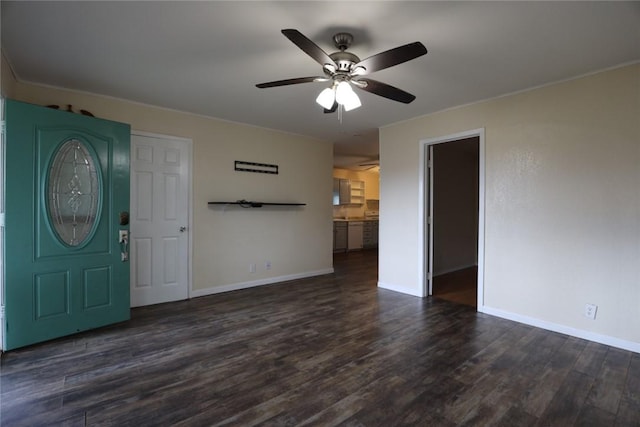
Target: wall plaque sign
pixel 256 167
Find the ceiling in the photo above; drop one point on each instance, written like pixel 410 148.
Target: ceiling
pixel 206 57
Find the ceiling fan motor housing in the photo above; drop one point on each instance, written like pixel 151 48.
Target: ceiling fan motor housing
pixel 344 60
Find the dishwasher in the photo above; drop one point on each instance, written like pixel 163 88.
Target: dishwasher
pixel 354 240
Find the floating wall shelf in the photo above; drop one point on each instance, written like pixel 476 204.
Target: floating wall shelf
pixel 252 204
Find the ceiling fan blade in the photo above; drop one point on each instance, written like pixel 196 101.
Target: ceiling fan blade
pixel 291 82
pixel 333 108
pixel 369 167
pixel 391 57
pixel 386 91
pixel 309 47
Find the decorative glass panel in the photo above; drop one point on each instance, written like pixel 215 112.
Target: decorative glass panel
pixel 74 192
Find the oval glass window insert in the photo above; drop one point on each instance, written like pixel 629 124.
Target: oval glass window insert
pixel 74 192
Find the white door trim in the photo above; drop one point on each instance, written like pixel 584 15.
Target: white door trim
pixel 423 186
pixel 2 181
pixel 429 226
pixel 189 143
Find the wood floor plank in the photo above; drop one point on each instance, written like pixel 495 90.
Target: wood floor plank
pixel 591 359
pixel 568 401
pixel 516 416
pixel 512 381
pixel 474 368
pixel 562 357
pixel 466 404
pixel 610 381
pixel 329 350
pixel 428 407
pixel 631 392
pixel 628 415
pixel 590 416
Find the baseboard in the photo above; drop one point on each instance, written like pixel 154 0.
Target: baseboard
pixel 401 289
pixel 555 327
pixel 267 281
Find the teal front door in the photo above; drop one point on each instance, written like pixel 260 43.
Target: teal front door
pixel 66 206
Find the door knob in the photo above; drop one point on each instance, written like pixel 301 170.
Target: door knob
pixel 183 229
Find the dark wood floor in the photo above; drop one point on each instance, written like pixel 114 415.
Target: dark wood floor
pixel 459 286
pixel 331 350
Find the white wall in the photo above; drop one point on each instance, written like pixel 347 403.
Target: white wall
pixel 297 241
pixel 562 216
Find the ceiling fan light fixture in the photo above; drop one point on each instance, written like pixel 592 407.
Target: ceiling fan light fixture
pixel 352 103
pixel 326 98
pixel 346 97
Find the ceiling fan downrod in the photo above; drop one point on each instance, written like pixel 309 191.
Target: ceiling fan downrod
pixel 343 40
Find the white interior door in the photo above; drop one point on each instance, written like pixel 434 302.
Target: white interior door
pixel 160 214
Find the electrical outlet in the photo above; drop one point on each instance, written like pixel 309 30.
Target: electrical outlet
pixel 252 268
pixel 590 311
pixel 267 265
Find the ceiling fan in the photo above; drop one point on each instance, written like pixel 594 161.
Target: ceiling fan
pixel 344 69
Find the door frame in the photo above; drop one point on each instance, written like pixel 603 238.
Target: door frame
pixel 189 143
pixel 425 203
pixel 2 181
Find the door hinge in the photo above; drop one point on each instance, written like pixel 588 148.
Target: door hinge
pixel 428 220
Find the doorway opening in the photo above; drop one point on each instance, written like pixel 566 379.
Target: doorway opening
pixel 452 217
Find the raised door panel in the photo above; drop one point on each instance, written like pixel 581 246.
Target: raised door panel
pixel 170 200
pixel 141 264
pixel 144 201
pixel 170 257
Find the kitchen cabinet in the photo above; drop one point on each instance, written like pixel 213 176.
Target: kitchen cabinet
pixel 354 235
pixel 354 240
pixel 336 191
pixel 345 191
pixel 339 236
pixel 370 234
pixel 348 192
